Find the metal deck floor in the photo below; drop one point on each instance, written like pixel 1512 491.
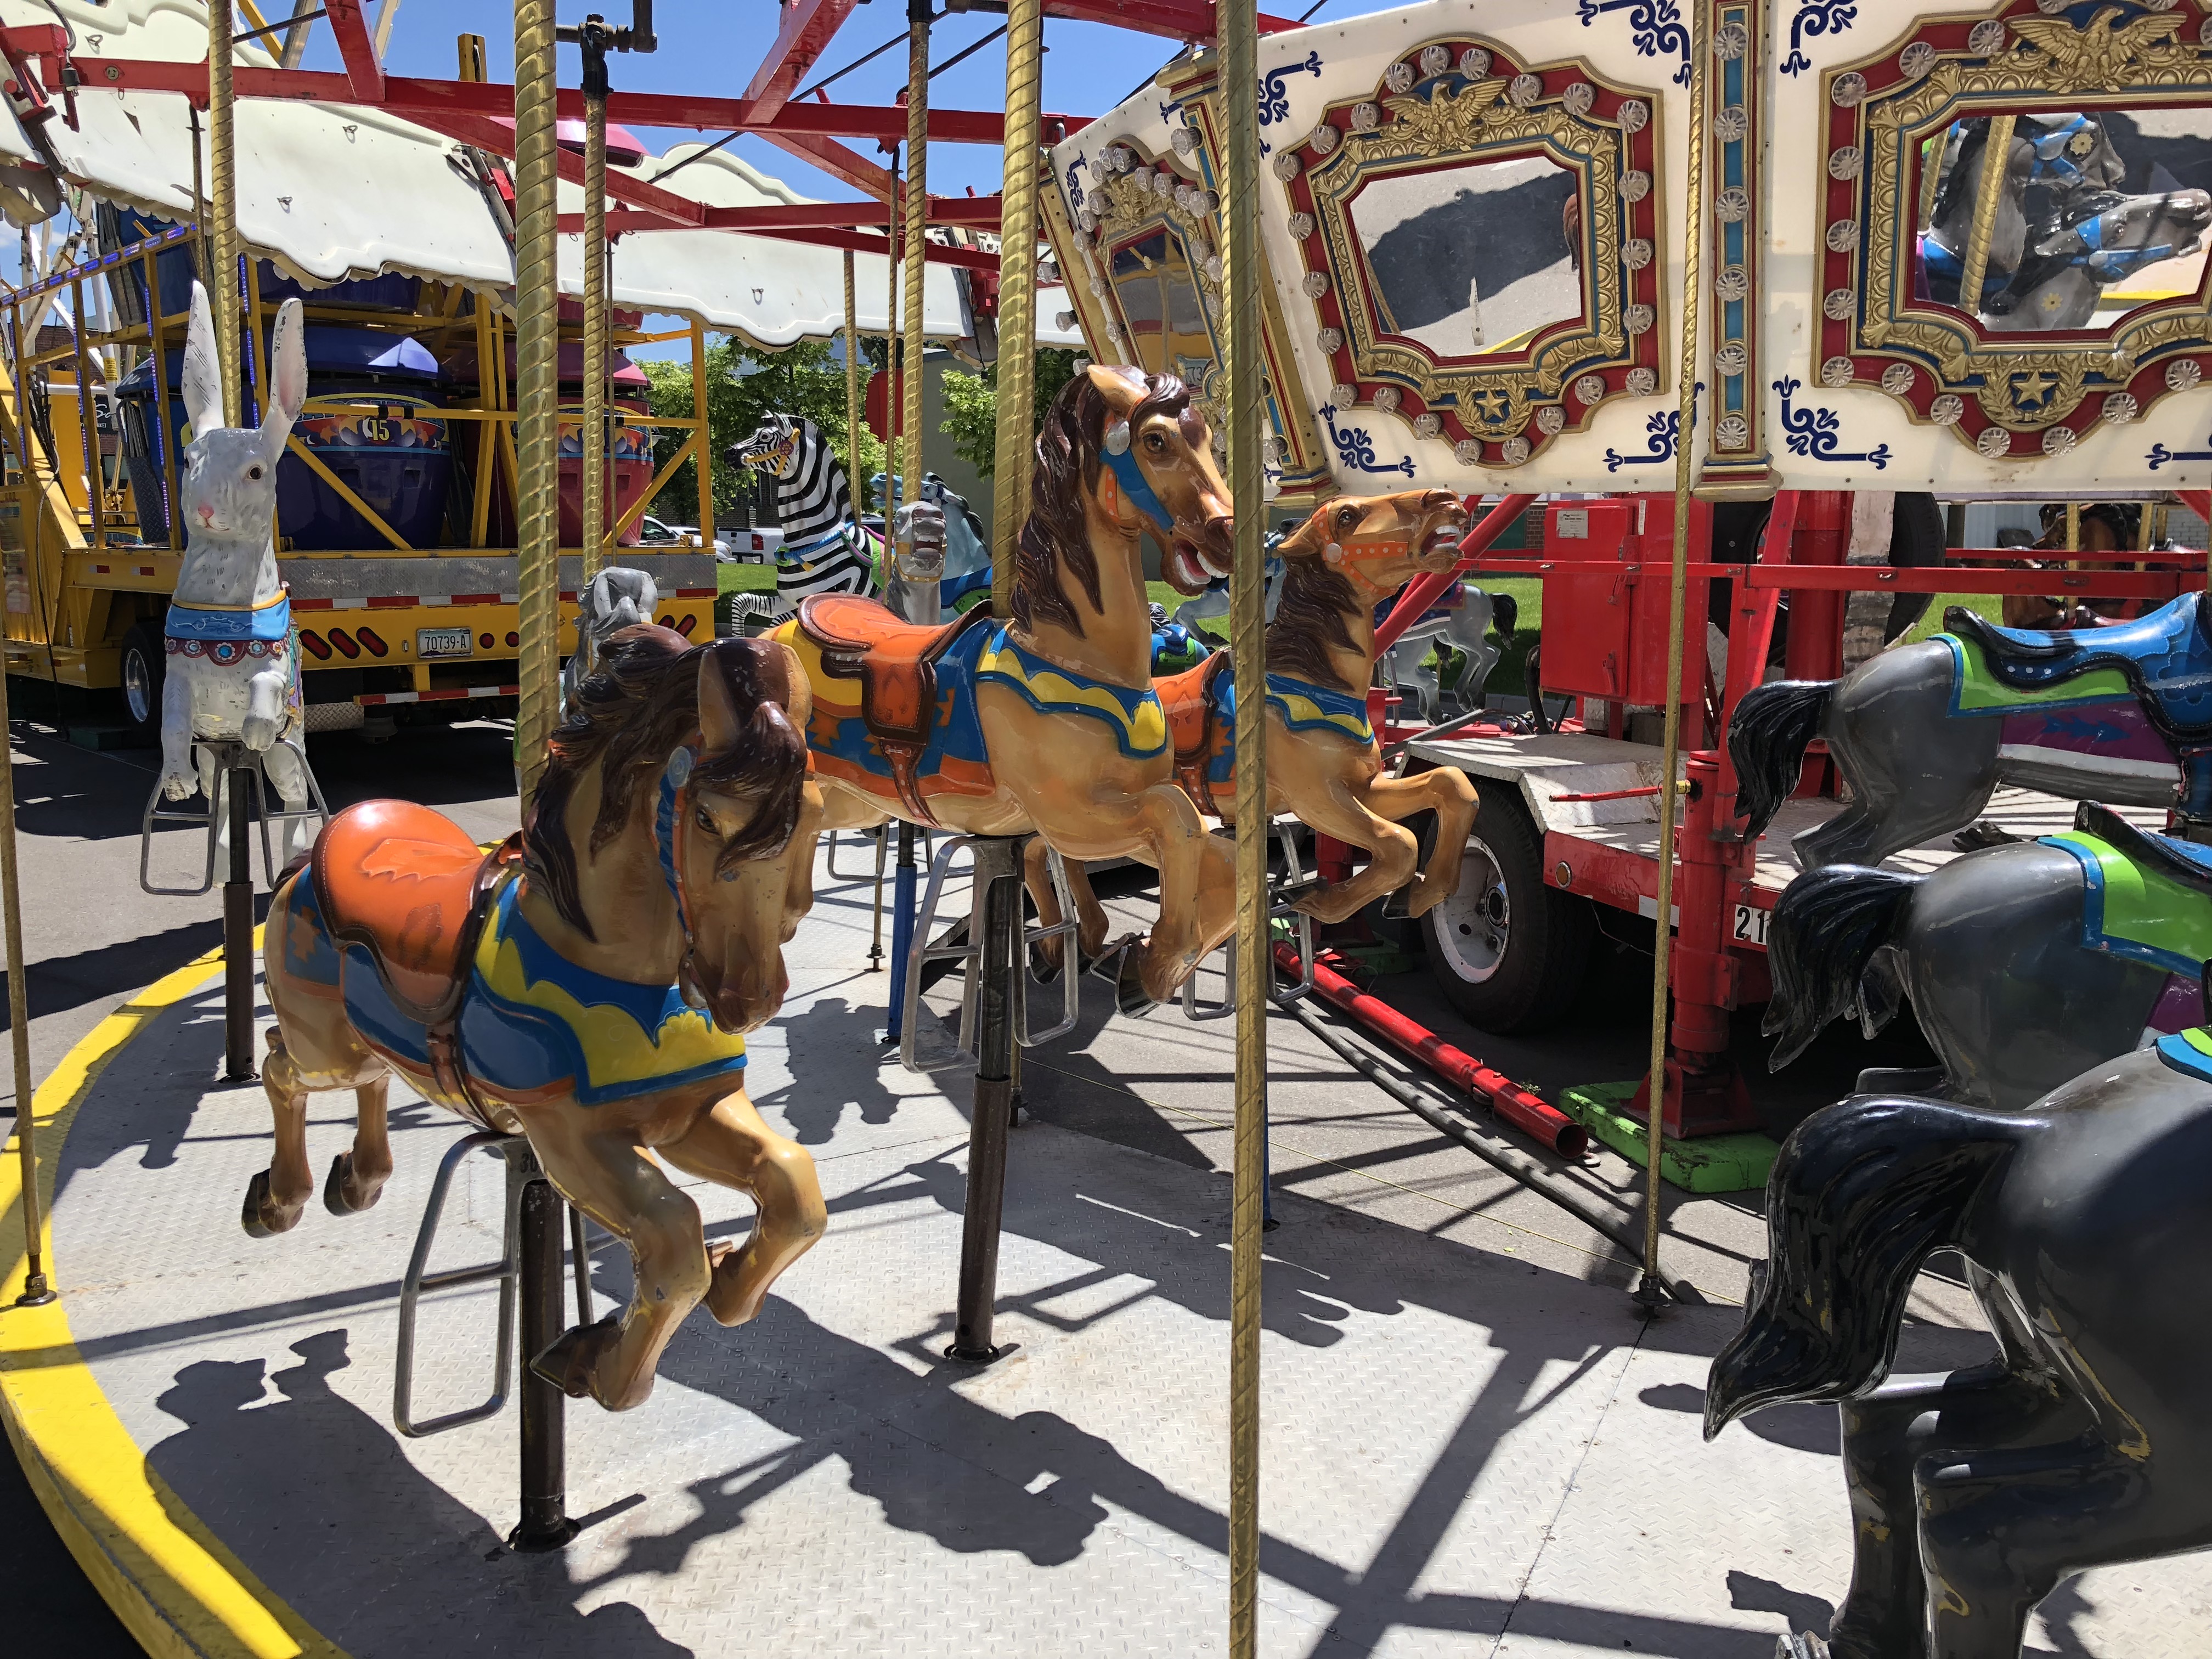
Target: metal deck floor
pixel 1471 1444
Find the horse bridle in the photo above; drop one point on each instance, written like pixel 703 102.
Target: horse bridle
pixel 671 823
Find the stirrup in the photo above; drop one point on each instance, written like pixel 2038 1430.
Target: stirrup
pixel 230 755
pixel 1283 895
pixel 969 952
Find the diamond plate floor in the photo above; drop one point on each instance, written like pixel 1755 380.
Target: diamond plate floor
pixel 1471 1446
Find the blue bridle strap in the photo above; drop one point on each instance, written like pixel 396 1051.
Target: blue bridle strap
pixel 1134 485
pixel 674 777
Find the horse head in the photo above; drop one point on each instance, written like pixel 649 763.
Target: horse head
pixel 742 841
pixel 773 448
pixel 1382 542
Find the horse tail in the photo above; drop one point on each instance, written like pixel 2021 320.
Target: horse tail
pixel 1505 615
pixel 1766 739
pixel 1860 1194
pixel 1825 928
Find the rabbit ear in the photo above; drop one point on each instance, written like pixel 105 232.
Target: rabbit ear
pixel 288 376
pixel 202 385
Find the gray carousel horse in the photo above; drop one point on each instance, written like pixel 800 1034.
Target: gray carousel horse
pixel 615 598
pixel 1924 733
pixel 2027 965
pixel 2085 1223
pixel 1464 628
pixel 2100 239
pixel 2063 156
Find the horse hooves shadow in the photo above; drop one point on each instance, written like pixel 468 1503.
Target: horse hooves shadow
pixel 261 1215
pixel 334 1188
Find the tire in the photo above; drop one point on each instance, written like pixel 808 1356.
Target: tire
pixel 144 667
pixel 1508 950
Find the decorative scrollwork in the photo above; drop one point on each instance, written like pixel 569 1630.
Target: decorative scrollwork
pixel 1656 29
pixel 1813 18
pixel 1817 434
pixel 1275 95
pixel 1356 450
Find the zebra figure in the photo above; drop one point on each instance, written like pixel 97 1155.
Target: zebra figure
pixel 826 549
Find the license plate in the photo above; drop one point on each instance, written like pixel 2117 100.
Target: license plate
pixel 443 642
pixel 1751 924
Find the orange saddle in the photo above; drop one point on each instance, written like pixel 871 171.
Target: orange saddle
pixel 1188 699
pixel 407 884
pixel 895 661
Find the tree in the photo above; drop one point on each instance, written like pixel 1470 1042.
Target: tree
pixel 971 406
pixel 742 389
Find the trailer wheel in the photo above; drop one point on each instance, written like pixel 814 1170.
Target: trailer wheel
pixel 1508 950
pixel 143 668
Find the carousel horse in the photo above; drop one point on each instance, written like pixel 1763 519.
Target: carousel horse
pixel 826 549
pixel 1924 733
pixel 587 985
pixel 967 561
pixel 2101 238
pixel 1048 723
pixel 2027 965
pixel 1324 767
pixel 2061 155
pixel 233 663
pixel 1459 625
pixel 2086 1222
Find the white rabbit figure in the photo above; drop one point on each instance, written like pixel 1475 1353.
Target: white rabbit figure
pixel 233 660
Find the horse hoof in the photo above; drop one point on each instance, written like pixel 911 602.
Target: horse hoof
pixel 334 1188
pixel 261 1215
pixel 571 1357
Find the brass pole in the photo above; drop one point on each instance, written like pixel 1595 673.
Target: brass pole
pixel 702 455
pixel 1653 1289
pixel 894 401
pixel 852 379
pixel 1989 191
pixel 917 219
pixel 536 349
pixel 1018 236
pixel 595 337
pixel 219 236
pixel 1242 278
pixel 36 1291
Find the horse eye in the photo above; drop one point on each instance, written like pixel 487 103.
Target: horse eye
pixel 253 472
pixel 705 820
pixel 1154 442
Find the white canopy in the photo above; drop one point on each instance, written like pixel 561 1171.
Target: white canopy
pixel 332 191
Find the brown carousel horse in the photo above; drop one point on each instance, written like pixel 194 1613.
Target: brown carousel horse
pixel 1324 767
pixel 1048 723
pixel 587 985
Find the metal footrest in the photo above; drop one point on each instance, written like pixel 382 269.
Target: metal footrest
pixel 231 756
pixel 1283 895
pixel 968 953
pixel 522 1169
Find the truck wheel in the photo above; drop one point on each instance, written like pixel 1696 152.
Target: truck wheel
pixel 1508 950
pixel 143 669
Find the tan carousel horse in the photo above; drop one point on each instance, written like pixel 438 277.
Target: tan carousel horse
pixel 1048 723
pixel 587 985
pixel 1324 767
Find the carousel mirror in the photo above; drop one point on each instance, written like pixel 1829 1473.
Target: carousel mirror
pixel 1158 289
pixel 2094 214
pixel 1474 258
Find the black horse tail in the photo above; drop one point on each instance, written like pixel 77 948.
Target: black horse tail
pixel 1825 928
pixel 1766 741
pixel 1860 1192
pixel 1506 614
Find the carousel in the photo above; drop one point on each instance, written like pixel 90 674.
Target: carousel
pixel 597 1220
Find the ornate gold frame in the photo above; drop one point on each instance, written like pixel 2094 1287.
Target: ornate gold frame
pixel 1603 133
pixel 1942 367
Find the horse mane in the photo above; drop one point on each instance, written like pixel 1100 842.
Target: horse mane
pixel 1055 538
pixel 627 718
pixel 1310 622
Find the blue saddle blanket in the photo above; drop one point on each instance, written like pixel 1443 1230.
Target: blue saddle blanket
pixel 2166 656
pixel 270 620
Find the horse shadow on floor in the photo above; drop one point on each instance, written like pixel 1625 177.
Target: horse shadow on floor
pixel 316 1497
pixel 831 1025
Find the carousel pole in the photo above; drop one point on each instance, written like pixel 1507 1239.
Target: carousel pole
pixel 219 237
pixel 536 379
pixel 1242 278
pixel 592 39
pixel 1018 236
pixel 917 219
pixel 1651 1292
pixel 1990 194
pixel 851 378
pixel 37 1292
pixel 219 242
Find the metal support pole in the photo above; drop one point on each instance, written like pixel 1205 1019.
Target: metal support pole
pixel 876 935
pixel 1996 150
pixel 219 236
pixel 1242 280
pixel 237 932
pixel 595 306
pixel 902 929
pixel 1016 294
pixel 852 445
pixel 545 1524
pixel 917 220
pixel 997 906
pixel 37 1291
pixel 893 400
pixel 537 339
pixel 1651 1289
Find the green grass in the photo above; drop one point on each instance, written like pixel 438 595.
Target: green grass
pixel 745 578
pixel 1989 605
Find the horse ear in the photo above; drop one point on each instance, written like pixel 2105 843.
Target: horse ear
pixel 735 676
pixel 203 377
pixel 797 694
pixel 288 374
pixel 1123 389
pixel 1307 540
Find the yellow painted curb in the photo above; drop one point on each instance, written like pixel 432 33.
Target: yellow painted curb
pixel 170 1580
